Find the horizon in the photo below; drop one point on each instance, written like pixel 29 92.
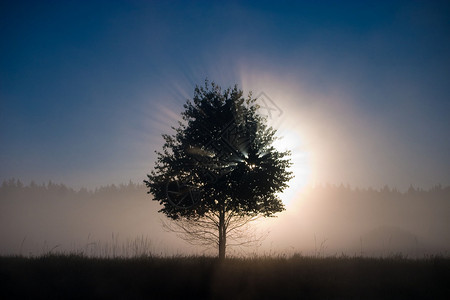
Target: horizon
pixel 385 187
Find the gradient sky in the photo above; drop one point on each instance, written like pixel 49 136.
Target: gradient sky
pixel 88 87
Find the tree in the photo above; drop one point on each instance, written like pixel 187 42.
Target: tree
pixel 220 170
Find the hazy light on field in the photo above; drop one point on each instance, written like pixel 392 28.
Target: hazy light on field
pixel 323 220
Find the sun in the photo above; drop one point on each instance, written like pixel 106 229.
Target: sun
pixel 290 139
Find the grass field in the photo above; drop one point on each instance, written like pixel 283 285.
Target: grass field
pixel 298 277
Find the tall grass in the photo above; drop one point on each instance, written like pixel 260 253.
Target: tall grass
pixel 277 277
pixel 140 246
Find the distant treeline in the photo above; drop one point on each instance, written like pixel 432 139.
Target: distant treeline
pixel 386 193
pixel 50 188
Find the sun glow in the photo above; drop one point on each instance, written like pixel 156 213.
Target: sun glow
pixel 290 139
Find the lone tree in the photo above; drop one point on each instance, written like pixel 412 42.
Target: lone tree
pixel 220 169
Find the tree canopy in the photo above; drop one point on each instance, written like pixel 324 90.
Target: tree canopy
pixel 220 162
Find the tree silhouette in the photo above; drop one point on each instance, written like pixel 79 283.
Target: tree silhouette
pixel 220 170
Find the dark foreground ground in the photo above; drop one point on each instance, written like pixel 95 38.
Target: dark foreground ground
pixel 78 277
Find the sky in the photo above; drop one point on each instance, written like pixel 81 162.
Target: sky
pixel 362 87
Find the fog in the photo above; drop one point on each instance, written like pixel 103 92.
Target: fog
pixel 323 220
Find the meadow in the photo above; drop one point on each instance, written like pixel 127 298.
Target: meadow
pixel 59 243
pixel 75 276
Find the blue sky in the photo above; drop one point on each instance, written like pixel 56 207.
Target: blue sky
pixel 88 87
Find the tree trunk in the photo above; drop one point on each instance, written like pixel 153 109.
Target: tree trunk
pixel 222 235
